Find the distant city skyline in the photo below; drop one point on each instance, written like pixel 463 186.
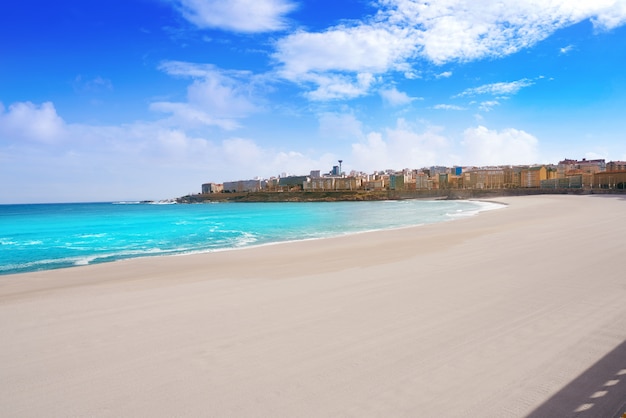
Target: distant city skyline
pixel 147 99
pixel 566 174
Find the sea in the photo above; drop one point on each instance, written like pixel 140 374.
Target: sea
pixel 35 237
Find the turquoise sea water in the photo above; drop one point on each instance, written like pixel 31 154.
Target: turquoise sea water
pixel 50 236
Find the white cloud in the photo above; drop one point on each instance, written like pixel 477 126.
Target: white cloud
pixel 612 14
pixel 141 160
pixel 340 125
pixel 466 30
pixel 393 97
pixel 338 86
pixel 411 74
pixel 247 16
pixel 408 145
pixel 372 154
pixel 296 163
pixel 486 106
pixel 342 61
pixel 99 163
pixel 447 107
pixel 596 156
pixel 566 49
pixel 498 89
pixel 402 146
pixel 215 97
pixel 25 121
pixel 483 146
pixel 362 48
pixel 445 74
pixel 405 31
pixel 241 151
pixel 185 114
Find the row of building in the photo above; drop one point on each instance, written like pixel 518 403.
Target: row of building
pixel 566 174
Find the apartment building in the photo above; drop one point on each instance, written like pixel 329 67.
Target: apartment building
pixel 212 188
pixel 332 183
pixel 292 183
pixel 570 182
pixel 379 183
pixel 485 178
pixel 532 176
pixel 610 180
pixel 583 166
pixel 616 166
pixel 567 174
pixel 244 186
pixel 423 181
pixel 319 184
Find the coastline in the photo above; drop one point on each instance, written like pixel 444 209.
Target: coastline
pixel 490 315
pixel 197 229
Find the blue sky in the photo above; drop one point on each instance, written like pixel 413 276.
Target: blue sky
pixel 147 99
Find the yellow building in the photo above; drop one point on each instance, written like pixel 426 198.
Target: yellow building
pixel 486 178
pixel 610 180
pixel 532 176
pixel 584 166
pixel 512 177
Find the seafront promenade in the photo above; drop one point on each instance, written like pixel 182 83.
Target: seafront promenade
pixel 513 312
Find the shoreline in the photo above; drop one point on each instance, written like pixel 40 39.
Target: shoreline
pixel 89 259
pixel 507 313
pixel 144 261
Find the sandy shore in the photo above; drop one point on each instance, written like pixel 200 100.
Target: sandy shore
pixel 519 311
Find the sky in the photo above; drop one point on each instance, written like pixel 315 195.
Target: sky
pixel 148 99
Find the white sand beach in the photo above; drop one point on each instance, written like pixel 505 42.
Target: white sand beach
pixel 514 312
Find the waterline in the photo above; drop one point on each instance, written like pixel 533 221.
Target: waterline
pixel 44 237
